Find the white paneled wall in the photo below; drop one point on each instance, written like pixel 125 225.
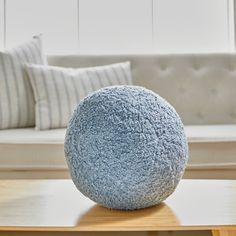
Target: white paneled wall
pixel 120 26
pixel 115 26
pixel 1 24
pixel 191 25
pixel 57 20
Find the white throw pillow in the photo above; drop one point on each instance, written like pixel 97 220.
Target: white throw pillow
pixel 16 95
pixel 58 90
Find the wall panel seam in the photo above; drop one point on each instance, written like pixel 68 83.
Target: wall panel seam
pixel 152 3
pixel 234 23
pixel 4 24
pixel 78 27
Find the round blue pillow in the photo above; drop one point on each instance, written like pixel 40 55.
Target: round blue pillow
pixel 126 147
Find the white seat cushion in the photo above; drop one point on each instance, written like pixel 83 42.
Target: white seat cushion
pixel 31 136
pixel 24 149
pixel 210 133
pixel 210 146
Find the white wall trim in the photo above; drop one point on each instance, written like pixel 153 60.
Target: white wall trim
pixel 231 24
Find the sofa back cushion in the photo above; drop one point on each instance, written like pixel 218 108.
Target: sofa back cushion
pixel 16 96
pixel 58 90
pixel 201 87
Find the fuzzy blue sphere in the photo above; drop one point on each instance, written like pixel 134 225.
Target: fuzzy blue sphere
pixel 126 147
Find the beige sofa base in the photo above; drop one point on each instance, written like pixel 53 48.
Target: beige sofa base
pixel 210 174
pixel 34 174
pixel 201 173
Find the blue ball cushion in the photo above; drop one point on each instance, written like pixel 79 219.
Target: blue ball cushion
pixel 126 147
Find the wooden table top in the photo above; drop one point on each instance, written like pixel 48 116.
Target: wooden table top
pixel 56 205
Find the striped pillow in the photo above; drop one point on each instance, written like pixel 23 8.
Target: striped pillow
pixel 58 90
pixel 16 95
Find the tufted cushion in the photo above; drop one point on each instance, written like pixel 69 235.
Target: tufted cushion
pixel 201 87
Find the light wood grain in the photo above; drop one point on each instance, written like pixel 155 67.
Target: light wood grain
pixel 56 205
pixel 224 232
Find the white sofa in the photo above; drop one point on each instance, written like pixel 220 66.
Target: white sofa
pixel 202 88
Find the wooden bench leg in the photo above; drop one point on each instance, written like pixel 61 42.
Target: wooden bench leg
pixel 224 232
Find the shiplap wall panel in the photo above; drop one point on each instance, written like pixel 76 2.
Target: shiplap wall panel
pixel 191 26
pixel 57 20
pixel 1 24
pixel 115 26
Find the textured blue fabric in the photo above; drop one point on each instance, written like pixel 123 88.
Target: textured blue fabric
pixel 126 147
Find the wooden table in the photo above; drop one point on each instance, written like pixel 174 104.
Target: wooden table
pixel 56 205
